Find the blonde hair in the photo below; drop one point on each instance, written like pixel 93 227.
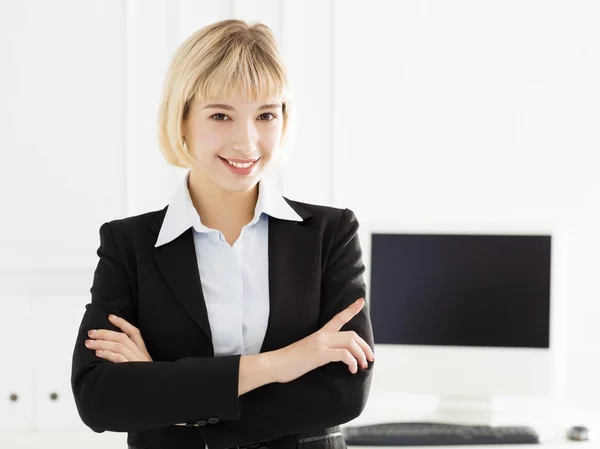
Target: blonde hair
pixel 220 59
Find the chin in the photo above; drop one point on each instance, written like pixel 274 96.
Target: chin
pixel 239 183
pixel 239 186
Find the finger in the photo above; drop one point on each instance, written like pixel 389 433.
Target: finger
pixel 343 355
pixel 358 354
pixel 105 334
pixel 338 321
pixel 345 340
pixel 131 331
pixel 111 346
pixel 118 337
pixel 364 345
pixel 111 356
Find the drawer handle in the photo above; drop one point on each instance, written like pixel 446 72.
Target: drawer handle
pixel 53 396
pixel 14 397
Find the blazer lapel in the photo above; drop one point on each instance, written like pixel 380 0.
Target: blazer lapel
pixel 178 264
pixel 293 251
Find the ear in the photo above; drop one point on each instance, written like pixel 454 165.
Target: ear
pixel 183 130
pixel 183 127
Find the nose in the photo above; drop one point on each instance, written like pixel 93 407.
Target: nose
pixel 241 150
pixel 245 139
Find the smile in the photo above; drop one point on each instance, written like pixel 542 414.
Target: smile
pixel 240 166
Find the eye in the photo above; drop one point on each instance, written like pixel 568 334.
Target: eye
pixel 219 119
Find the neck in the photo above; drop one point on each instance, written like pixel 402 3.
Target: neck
pixel 218 208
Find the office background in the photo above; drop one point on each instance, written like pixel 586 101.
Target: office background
pixel 431 111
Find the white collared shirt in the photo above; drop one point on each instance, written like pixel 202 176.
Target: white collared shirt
pixel 235 279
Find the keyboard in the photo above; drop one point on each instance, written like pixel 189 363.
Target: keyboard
pixel 436 434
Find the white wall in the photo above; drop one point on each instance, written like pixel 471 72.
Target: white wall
pixel 428 111
pixel 471 111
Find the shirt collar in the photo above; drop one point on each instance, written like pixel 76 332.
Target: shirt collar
pixel 181 213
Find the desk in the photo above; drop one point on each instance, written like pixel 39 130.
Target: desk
pixel 552 427
pixel 79 440
pixel 556 442
pixel 550 445
pixel 550 420
pixel 62 440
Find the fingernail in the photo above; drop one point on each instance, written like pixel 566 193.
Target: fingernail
pixel 111 316
pixel 92 332
pixel 359 300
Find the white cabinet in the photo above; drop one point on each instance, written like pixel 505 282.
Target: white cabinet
pixel 55 322
pixel 37 338
pixel 16 365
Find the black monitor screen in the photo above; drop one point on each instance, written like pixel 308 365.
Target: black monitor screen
pixel 461 290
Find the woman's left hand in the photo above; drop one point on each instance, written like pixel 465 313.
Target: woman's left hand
pixel 118 347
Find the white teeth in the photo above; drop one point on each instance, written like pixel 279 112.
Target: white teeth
pixel 240 165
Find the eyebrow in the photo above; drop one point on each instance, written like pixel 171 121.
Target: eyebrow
pixel 230 108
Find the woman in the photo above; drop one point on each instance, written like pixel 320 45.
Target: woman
pixel 249 306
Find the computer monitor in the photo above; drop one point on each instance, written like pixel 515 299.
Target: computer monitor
pixel 466 312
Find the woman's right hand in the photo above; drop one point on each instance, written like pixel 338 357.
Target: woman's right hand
pixel 326 345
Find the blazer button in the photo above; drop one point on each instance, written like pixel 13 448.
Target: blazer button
pixel 213 420
pixel 201 423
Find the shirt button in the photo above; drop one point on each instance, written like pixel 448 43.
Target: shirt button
pixel 201 423
pixel 213 420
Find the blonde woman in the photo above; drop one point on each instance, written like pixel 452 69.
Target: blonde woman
pixel 233 317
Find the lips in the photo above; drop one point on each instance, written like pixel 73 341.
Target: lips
pixel 240 161
pixel 240 167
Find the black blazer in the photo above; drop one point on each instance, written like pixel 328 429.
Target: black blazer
pixel 315 271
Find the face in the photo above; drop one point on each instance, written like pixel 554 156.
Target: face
pixel 233 141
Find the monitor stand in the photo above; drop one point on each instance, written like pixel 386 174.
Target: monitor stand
pixel 476 410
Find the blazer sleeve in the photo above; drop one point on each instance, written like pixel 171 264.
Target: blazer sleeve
pixel 136 396
pixel 327 396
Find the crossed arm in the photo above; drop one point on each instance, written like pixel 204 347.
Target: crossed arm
pixel 114 396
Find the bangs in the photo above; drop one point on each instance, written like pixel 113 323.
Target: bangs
pixel 244 70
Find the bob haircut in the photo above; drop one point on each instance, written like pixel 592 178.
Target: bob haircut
pixel 223 58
